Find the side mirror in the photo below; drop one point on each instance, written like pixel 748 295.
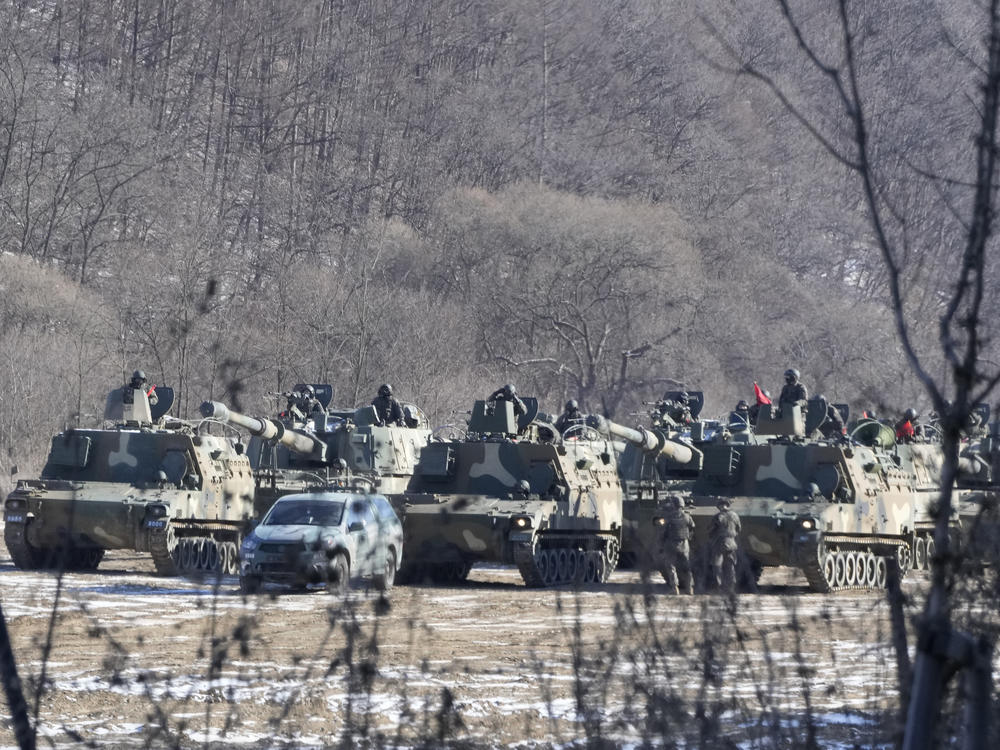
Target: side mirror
pixel 356 526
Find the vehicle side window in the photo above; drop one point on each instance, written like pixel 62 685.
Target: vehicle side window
pixel 360 510
pixel 385 511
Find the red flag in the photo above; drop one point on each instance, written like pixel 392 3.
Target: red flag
pixel 761 398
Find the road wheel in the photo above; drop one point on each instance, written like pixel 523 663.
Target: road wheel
pixel 383 581
pixel 920 554
pixel 339 573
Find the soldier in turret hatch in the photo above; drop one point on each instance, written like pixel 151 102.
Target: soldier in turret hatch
pixel 907 429
pixel 793 392
pixel 571 416
pixel 833 426
pixel 677 532
pixel 138 383
pixel 677 411
pixel 508 393
pixel 387 408
pixel 723 546
pixel 739 418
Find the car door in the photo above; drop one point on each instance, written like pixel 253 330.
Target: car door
pixel 363 531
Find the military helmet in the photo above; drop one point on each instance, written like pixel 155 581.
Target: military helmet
pixel 742 405
pixel 724 502
pixel 683 399
pixel 509 390
pixel 139 375
pixel 910 413
pixel 572 405
pixel 310 390
pixel 791 374
pixel 523 487
pixel 385 389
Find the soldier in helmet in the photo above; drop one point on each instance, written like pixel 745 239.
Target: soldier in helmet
pixel 387 408
pixel 508 393
pixel 677 411
pixel 570 416
pixel 793 392
pixel 723 546
pixel 907 429
pixel 833 426
pixel 138 383
pixel 677 529
pixel 739 418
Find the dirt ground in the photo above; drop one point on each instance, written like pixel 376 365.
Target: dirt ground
pixel 134 660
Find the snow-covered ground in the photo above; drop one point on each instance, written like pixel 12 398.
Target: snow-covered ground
pixel 132 658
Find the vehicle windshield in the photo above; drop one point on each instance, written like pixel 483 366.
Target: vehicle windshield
pixel 305 513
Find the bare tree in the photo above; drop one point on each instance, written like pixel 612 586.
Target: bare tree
pixel 840 114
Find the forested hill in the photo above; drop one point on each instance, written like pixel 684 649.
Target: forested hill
pixel 579 197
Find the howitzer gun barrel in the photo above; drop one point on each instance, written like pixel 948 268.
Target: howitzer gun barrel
pixel 268 429
pixel 647 440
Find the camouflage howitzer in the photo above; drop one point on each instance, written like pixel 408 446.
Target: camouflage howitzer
pixel 513 492
pixel 645 457
pixel 330 449
pixel 841 511
pixel 148 484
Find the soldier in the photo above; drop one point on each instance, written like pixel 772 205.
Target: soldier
pixel 387 408
pixel 833 426
pixel 571 416
pixel 508 393
pixel 793 392
pixel 677 411
pixel 739 418
pixel 906 428
pixel 677 532
pixel 138 383
pixel 723 546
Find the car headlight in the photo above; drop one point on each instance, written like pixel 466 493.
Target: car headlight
pixel 156 511
pixel 250 544
pixel 520 523
pixel 15 504
pixel 808 523
pixel 659 521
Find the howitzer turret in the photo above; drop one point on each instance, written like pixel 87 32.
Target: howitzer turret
pixel 319 446
pixel 267 429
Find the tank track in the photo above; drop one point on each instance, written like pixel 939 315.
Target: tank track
pixel 560 561
pixel 192 551
pixel 26 556
pixel 847 563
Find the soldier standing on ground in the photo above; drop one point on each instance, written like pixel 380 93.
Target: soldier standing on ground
pixel 508 393
pixel 793 392
pixel 676 548
pixel 722 540
pixel 387 409
pixel 571 416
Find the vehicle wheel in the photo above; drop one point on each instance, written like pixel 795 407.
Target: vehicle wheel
pixel 871 571
pixel 829 563
pixel 383 581
pixel 840 563
pixel 249 584
pixel 339 573
pixel 931 549
pixel 920 554
pixel 882 571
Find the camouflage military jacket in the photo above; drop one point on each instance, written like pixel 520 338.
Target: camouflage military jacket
pixel 725 526
pixel 679 526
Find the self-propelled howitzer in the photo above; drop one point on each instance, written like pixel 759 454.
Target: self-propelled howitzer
pixel 146 483
pixel 329 448
pixel 513 492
